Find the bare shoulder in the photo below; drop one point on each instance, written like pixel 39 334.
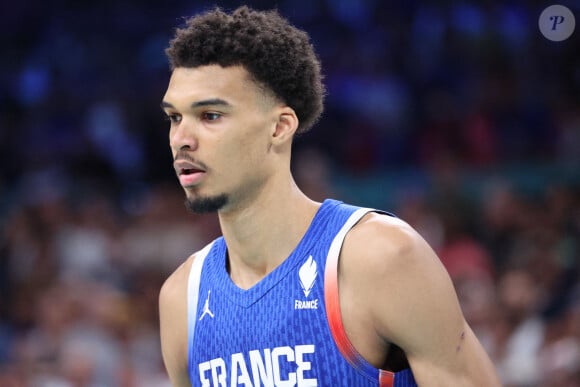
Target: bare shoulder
pixel 408 296
pixel 173 323
pixel 172 296
pixel 385 256
pixel 176 283
pixel 386 243
pixel 384 253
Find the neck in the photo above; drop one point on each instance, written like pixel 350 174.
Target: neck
pixel 264 232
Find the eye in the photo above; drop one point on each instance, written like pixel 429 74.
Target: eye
pixel 173 118
pixel 211 116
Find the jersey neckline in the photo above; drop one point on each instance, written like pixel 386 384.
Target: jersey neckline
pixel 247 297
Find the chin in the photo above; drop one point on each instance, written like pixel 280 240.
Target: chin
pixel 205 205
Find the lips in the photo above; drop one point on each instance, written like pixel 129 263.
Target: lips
pixel 188 172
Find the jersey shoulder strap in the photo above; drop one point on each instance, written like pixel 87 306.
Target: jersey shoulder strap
pixel 193 292
pixel 403 378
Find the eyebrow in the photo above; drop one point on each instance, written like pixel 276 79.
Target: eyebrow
pixel 205 102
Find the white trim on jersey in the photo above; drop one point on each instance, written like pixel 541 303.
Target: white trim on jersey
pixel 193 283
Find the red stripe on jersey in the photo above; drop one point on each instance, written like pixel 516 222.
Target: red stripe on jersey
pixel 386 378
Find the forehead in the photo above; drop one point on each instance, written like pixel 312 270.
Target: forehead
pixel 229 83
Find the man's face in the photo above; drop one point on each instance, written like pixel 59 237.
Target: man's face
pixel 220 126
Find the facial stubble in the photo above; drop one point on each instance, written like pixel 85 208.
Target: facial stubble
pixel 205 205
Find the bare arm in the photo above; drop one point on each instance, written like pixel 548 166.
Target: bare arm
pixel 173 325
pixel 413 304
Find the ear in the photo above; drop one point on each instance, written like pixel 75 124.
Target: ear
pixel 286 125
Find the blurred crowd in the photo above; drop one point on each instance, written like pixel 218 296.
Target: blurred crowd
pixel 428 109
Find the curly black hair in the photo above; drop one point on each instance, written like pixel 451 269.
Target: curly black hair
pixel 276 54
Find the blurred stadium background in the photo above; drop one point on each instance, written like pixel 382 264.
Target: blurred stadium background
pixel 459 116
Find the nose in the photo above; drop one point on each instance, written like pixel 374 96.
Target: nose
pixel 182 135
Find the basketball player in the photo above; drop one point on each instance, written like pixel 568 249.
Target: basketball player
pixel 295 293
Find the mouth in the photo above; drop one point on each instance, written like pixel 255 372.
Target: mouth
pixel 186 167
pixel 189 173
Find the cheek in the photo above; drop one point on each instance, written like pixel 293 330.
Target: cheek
pixel 250 149
pixel 232 158
pixel 245 148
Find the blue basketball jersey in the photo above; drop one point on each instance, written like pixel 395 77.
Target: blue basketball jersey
pixel 286 330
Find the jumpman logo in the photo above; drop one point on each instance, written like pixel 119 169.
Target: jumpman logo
pixel 206 307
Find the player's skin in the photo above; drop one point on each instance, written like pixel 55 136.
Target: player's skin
pixel 393 288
